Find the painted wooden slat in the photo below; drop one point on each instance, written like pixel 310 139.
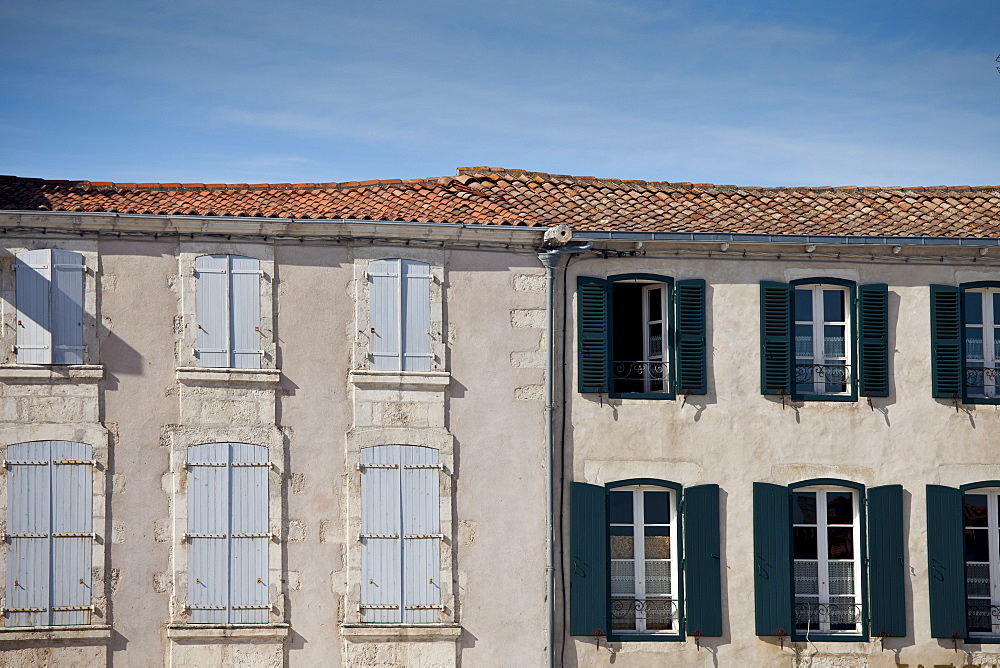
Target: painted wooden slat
pixel 772 560
pixel 588 584
pixel 33 295
pixel 381 558
pixel 886 559
pixel 28 512
pixel 72 513
pixel 946 580
pixel 67 307
pixel 245 326
pixel 692 372
pixel 420 500
pixel 249 554
pixel 776 353
pixel 702 555
pixel 416 313
pixel 212 310
pixel 947 359
pixel 384 308
pixel 593 347
pixel 208 515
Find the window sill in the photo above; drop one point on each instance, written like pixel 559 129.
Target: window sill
pixel 828 637
pixel 209 632
pixel 399 379
pixel 401 631
pixel 204 375
pixel 63 635
pixel 82 373
pixel 645 637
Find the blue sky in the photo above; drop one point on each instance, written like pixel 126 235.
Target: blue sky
pixel 746 93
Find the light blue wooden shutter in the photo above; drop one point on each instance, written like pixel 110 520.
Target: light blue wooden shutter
pixel 212 310
pixel 381 542
pixel 250 534
pixel 416 303
pixel 384 301
pixel 420 498
pixel 67 307
pixel 72 532
pixel 245 326
pixel 33 294
pixel 28 528
pixel 208 533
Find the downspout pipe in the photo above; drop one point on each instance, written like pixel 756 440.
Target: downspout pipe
pixel 550 259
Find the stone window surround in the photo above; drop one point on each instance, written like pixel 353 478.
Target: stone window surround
pixel 267 436
pixel 188 252
pixel 8 296
pixel 98 632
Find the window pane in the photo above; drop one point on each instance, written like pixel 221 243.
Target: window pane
pixel 975 510
pixel 841 578
pixel 659 614
pixel 804 341
pixel 979 616
pixel 974 343
pixel 833 306
pixel 804 543
pixel 839 508
pixel 623 578
pixel 996 308
pixel 621 508
pixel 977 545
pixel 974 308
pixel 996 345
pixel 622 543
pixel 658 577
pixel 804 508
pixel 833 341
pixel 656 507
pixel 806 578
pixel 977 580
pixel 803 305
pixel 657 542
pixel 655 303
pixel 840 542
pixel 623 614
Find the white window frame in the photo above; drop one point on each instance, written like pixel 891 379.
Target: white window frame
pixel 823 560
pixel 818 324
pixel 993 532
pixel 644 367
pixel 639 561
pixel 990 358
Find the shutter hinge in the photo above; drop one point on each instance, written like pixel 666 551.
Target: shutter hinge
pixel 187 536
pixel 363 466
pixel 9 610
pixel 378 535
pixel 424 535
pixel 377 606
pixel 426 606
pixel 195 606
pixel 267 535
pixel 83 534
pixel 250 607
pixel 440 467
pixel 83 462
pixel 73 608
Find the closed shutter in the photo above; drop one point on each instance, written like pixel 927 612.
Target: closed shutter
pixel 946 341
pixel 420 498
pixel 208 533
pixel 72 532
pixel 245 323
pixel 692 375
pixel 588 560
pixel 33 295
pixel 212 310
pixel 67 307
pixel 945 561
pixel 381 542
pixel 886 572
pixel 873 339
pixel 416 309
pixel 772 560
pixel 592 334
pixel 384 300
pixel 28 534
pixel 250 534
pixel 775 337
pixel 702 561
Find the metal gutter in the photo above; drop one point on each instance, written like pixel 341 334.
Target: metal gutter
pixel 827 240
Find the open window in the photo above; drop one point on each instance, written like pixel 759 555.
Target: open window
pixel 965 342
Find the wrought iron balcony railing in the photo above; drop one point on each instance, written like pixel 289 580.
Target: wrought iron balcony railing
pixel 649 370
pixel 979 380
pixel 982 617
pixel 827 616
pixel 659 614
pixel 822 374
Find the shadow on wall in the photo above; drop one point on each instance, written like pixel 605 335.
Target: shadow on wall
pixel 122 358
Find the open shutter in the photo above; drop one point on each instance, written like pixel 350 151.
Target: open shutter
pixel 946 561
pixel 702 561
pixel 772 559
pixel 420 497
pixel 873 339
pixel 775 337
pixel 33 295
pixel 72 532
pixel 381 552
pixel 212 310
pixel 692 375
pixel 592 334
pixel 886 572
pixel 588 536
pixel 28 534
pixel 208 533
pixel 416 308
pixel 384 301
pixel 946 341
pixel 67 307
pixel 245 322
pixel 250 537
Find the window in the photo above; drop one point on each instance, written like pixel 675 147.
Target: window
pixel 228 534
pixel 400 315
pixel 228 311
pixel 965 342
pixel 824 339
pixel 627 535
pixel 49 293
pixel 982 562
pixel 400 535
pixel 641 335
pixel 50 533
pixel 829 541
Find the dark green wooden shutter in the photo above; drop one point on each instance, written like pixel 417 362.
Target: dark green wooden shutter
pixel 588 537
pixel 886 573
pixel 945 561
pixel 592 329
pixel 692 374
pixel 775 337
pixel 772 559
pixel 873 339
pixel 702 561
pixel 946 341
